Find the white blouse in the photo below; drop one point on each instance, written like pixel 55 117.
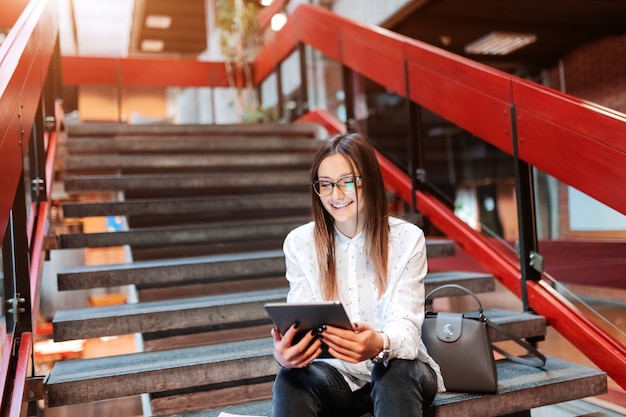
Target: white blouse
pixel 399 313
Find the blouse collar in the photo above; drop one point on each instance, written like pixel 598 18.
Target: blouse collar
pixel 344 241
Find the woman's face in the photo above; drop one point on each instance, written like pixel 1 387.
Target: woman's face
pixel 347 210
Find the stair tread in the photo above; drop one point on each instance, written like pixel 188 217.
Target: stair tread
pixel 159 144
pixel 188 181
pixel 186 161
pixel 520 388
pixel 217 312
pixel 95 129
pixel 187 205
pixel 218 232
pixel 209 268
pixel 85 380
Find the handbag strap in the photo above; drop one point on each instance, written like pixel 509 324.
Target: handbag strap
pixel 458 287
pixel 537 359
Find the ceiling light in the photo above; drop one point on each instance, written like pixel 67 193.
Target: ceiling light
pixel 155 21
pixel 151 45
pixel 278 21
pixel 500 43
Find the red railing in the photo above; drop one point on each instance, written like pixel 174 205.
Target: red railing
pixel 579 143
pixel 25 57
pixel 559 312
pixel 561 135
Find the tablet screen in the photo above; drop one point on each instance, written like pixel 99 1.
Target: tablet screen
pixel 309 315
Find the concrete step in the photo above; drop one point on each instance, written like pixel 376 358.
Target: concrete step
pixel 206 161
pixel 172 145
pixel 214 367
pixel 243 309
pixel 217 233
pixel 520 388
pixel 198 314
pixel 86 380
pixel 260 130
pixel 220 268
pixel 217 312
pixel 195 183
pixel 214 206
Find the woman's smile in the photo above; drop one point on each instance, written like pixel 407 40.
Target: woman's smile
pixel 346 206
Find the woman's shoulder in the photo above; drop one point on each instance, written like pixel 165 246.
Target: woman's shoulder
pixel 400 227
pixel 303 231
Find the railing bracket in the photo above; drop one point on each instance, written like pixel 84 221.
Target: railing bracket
pixel 34 389
pixel 14 304
pixel 536 261
pixel 420 175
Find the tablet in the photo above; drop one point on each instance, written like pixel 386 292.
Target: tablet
pixel 309 315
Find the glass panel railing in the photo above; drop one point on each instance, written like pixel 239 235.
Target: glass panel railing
pixel 269 98
pixel 3 323
pixel 583 247
pixel 325 87
pixel 291 86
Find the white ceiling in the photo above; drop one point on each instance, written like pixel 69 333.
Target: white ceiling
pixel 102 27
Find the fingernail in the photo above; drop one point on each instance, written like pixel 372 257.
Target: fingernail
pixel 296 325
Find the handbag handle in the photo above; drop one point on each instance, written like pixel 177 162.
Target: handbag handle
pixel 537 359
pixel 458 287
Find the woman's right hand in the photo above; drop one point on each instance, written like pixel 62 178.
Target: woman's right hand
pixel 297 355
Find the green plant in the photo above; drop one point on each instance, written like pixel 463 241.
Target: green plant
pixel 240 39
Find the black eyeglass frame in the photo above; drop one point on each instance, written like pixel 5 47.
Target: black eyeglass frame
pixel 340 184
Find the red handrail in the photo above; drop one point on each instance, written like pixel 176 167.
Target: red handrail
pixel 607 352
pixel 557 132
pixel 21 373
pixel 81 70
pixel 24 58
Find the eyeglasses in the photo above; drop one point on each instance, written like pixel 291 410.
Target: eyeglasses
pixel 346 185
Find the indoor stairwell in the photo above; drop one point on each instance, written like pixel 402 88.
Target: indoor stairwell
pixel 205 210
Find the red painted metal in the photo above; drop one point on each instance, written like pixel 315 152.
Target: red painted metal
pixel 475 97
pixel 21 80
pixel 7 348
pixel 80 70
pixel 268 12
pixel 325 119
pixel 21 373
pixel 599 346
pixel 37 258
pixel 580 143
pixel 11 11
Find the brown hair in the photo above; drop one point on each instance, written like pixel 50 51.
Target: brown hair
pixel 361 156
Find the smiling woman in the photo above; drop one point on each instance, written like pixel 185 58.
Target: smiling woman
pixel 353 252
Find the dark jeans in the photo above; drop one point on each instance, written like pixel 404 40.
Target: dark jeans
pixel 400 389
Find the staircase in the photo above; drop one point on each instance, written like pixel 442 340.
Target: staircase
pixel 206 209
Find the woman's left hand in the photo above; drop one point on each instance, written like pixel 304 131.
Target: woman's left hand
pixel 356 345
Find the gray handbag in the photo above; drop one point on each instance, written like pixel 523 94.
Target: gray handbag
pixel 460 344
